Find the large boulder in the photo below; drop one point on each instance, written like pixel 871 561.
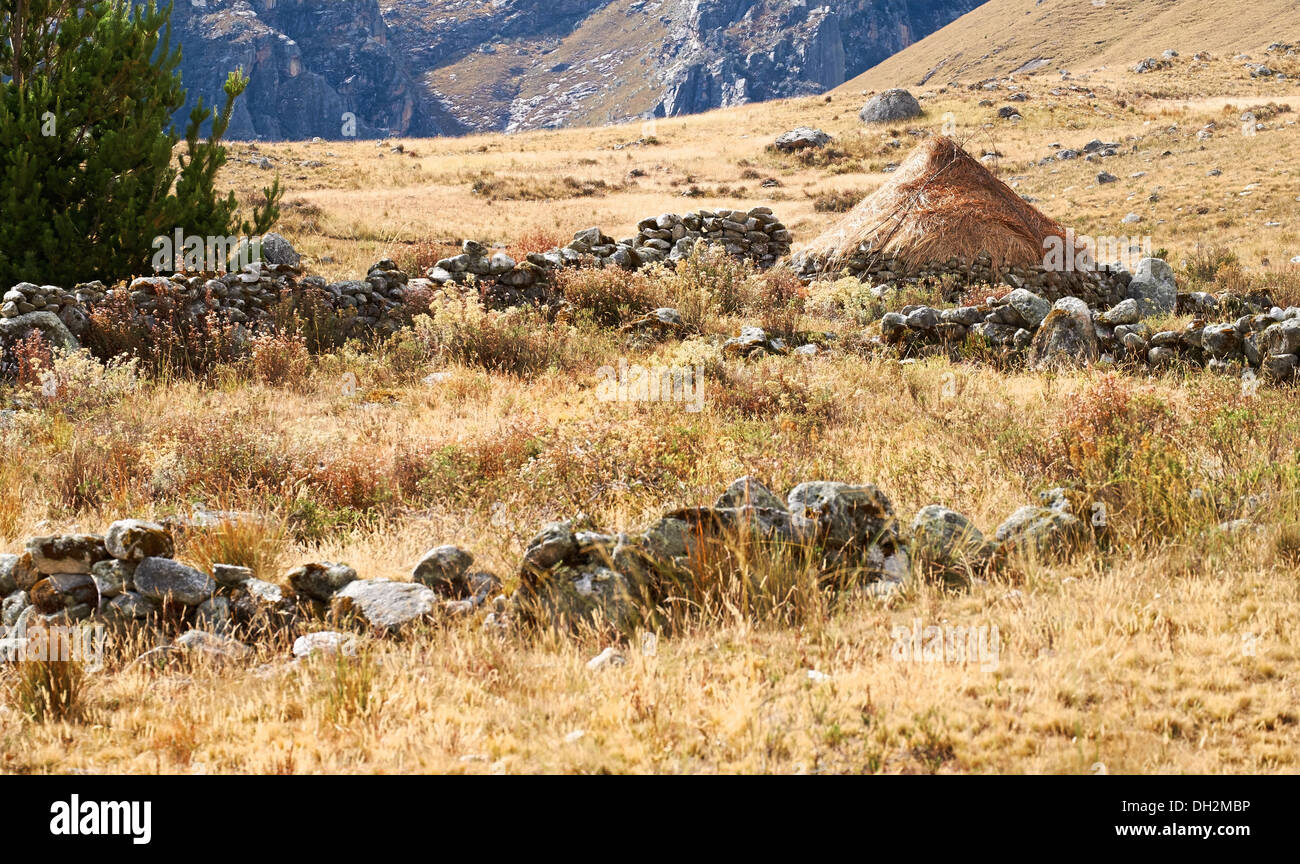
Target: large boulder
pixel 55 332
pixel 1066 338
pixel 1153 287
pixel 890 106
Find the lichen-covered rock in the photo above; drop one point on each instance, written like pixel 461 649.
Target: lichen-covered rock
pixel 321 580
pixel 64 591
pixel 1153 287
pixel 749 491
pixel 169 581
pixel 1066 339
pixel 12 607
pixel 384 605
pixel 113 576
pixel 851 527
pixel 947 543
pixel 802 138
pixel 52 330
pixel 1043 531
pixel 231 575
pixel 327 642
pixel 568 596
pixel 211 646
pixel 135 540
pixel 443 569
pixel 66 553
pixel 130 606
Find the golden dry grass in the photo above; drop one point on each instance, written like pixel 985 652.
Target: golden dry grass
pixel 1172 650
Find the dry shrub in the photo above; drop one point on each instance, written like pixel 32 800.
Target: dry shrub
pixel 610 295
pixel 51 683
pixel 280 359
pixel 418 257
pixel 517 341
pixel 32 359
pixel 1204 262
pixel 838 202
pixel 95 472
pixel 257 543
pixel 175 343
pixel 536 240
pixel 496 188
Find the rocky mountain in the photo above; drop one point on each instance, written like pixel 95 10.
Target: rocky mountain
pixel 428 67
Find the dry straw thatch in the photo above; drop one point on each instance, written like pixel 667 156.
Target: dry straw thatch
pixel 940 204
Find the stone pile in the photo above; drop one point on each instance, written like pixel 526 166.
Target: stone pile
pixel 1098 287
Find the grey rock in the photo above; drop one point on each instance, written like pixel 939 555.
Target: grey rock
pixel 113 576
pixel 1066 339
pixel 277 250
pixel 801 138
pixel 165 580
pixel 135 540
pixel 1042 531
pixel 443 569
pixel 52 329
pixel 1153 287
pixel 890 106
pixel 321 580
pixel 748 491
pixel 12 607
pixel 1124 312
pixel 326 642
pixel 946 541
pixel 230 575
pixel 385 605
pixel 211 646
pixel 1031 308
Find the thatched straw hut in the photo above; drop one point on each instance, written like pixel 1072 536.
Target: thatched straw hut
pixel 943 212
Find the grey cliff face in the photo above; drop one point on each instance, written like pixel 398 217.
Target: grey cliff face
pixel 437 67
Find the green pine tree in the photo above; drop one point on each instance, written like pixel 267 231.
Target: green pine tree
pixel 87 174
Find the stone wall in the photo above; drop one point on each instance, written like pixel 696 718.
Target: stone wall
pixel 1262 341
pixel 1102 286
